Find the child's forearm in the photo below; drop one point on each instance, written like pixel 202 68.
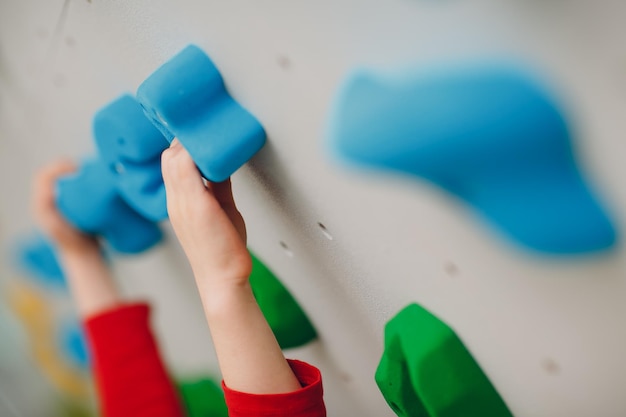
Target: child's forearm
pixel 212 232
pixel 90 281
pixel 250 358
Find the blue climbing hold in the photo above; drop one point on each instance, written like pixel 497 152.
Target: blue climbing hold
pixel 72 343
pixel 491 136
pixel 141 185
pixel 36 257
pixel 186 98
pixel 90 200
pixel 131 146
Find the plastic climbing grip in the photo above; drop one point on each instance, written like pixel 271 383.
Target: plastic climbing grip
pixel 36 256
pixel 123 132
pixel 288 321
pixel 202 397
pixel 426 371
pixel 490 135
pixel 141 186
pixel 90 200
pixel 72 344
pixel 186 98
pixel 130 145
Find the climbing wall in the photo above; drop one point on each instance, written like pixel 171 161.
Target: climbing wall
pixel 355 237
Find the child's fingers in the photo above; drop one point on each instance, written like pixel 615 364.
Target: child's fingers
pixel 43 188
pixel 223 192
pixel 56 169
pixel 43 204
pixel 180 174
pixel 48 175
pixel 224 195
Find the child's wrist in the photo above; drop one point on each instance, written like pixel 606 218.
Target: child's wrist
pixel 219 298
pixel 85 253
pixel 81 260
pixel 228 278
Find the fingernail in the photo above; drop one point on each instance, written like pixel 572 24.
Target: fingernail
pixel 174 142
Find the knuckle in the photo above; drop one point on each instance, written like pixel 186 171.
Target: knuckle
pixel 170 162
pixel 166 156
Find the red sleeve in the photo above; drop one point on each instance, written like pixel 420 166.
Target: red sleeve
pixel 130 376
pixel 306 402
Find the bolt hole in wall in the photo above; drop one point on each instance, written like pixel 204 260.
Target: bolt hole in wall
pixel 451 269
pixel 345 377
pixel 550 366
pixel 288 251
pixel 325 231
pixel 118 168
pixel 283 61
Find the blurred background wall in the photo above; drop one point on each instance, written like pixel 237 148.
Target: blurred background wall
pixel 354 247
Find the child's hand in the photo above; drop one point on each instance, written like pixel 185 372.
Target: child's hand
pixel 88 276
pixel 67 239
pixel 213 235
pixel 206 222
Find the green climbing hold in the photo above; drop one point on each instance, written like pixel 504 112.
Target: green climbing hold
pixel 203 398
pixel 288 321
pixel 426 371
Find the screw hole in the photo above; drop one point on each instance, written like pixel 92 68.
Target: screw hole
pixel 118 168
pixel 346 377
pixel 451 269
pixel 325 231
pixel 288 251
pixel 283 61
pixel 550 366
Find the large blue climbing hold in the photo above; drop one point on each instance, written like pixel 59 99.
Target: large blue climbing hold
pixel 130 145
pixel 141 185
pixel 186 98
pixel 122 132
pixel 90 200
pixel 490 135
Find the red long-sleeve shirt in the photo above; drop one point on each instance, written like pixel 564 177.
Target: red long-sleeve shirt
pixel 132 379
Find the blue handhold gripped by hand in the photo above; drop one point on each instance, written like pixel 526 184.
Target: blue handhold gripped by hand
pixel 186 98
pixel 120 193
